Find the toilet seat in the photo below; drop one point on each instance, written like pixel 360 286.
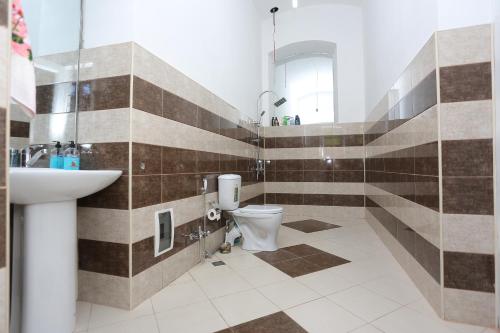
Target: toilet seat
pixel 261 209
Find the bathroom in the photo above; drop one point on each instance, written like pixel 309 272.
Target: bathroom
pixel 249 166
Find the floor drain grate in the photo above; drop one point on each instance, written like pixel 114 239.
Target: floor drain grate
pixel 218 263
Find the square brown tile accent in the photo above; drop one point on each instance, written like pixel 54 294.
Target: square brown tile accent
pixel 178 109
pixel 468 157
pixel 468 195
pixel 146 159
pixel 146 191
pixel 309 226
pixel 105 156
pixel 300 259
pixel 19 129
pixel 471 82
pixel 114 196
pixel 469 271
pixel 278 322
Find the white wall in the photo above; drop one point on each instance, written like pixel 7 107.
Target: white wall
pixel 338 23
pixel 53 26
pixel 216 43
pixel 396 30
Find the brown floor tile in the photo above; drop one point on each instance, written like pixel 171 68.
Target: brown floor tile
pixel 275 323
pixel 296 267
pixel 325 260
pixel 303 250
pixel 309 226
pixel 276 256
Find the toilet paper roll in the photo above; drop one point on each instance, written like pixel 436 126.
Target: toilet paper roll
pixel 213 214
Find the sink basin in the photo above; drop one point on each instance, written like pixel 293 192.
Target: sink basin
pixel 40 185
pixel 50 241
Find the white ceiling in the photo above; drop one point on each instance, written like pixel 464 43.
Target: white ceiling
pixel 264 6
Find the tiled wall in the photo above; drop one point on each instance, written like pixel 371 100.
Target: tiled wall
pixel 165 132
pixel 315 170
pixel 4 141
pixel 429 172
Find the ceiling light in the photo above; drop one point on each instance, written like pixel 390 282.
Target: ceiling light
pixel 295 3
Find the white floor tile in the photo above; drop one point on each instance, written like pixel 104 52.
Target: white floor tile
pixel 242 262
pixel 367 329
pixel 177 295
pixel 245 306
pixel 186 277
pixel 206 270
pixel 222 285
pixel 324 316
pixel 82 316
pixel 104 315
pixel 288 293
pixel 263 275
pixel 143 325
pixel 409 321
pixel 235 251
pixel 364 303
pixel 196 318
pixel 325 282
pixel 395 287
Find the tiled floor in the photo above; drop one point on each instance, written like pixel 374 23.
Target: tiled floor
pixel 369 294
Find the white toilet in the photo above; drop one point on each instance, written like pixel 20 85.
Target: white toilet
pixel 259 224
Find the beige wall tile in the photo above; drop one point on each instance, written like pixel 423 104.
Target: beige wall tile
pixel 469 233
pixel 467 120
pixel 4 300
pixel 179 263
pixel 104 289
pixel 106 225
pixel 464 46
pixel 4 38
pixel 94 126
pixel 56 68
pixel 45 128
pixel 425 61
pixel 146 284
pixel 106 61
pixel 471 307
pixel 315 188
pixel 251 191
pixel 313 153
pixel 151 129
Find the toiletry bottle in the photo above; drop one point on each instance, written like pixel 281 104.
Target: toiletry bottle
pixel 285 121
pixel 56 156
pixel 277 121
pixel 71 157
pixel 297 120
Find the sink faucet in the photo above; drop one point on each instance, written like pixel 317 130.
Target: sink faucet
pixel 29 159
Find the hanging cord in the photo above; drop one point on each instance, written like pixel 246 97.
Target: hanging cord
pixel 273 11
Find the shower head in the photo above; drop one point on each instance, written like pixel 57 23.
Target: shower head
pixel 280 102
pixel 262 113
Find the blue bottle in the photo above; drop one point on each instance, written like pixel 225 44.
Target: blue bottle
pixel 57 156
pixel 71 157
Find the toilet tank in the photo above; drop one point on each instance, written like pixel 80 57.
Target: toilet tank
pixel 229 192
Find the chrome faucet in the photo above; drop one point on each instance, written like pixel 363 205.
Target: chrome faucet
pixel 29 159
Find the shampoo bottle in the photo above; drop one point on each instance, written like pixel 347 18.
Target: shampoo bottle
pixel 297 120
pixel 57 156
pixel 71 157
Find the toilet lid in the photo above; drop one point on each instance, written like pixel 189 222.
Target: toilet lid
pixel 261 209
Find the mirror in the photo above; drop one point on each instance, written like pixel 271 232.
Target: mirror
pixel 54 34
pixel 304 74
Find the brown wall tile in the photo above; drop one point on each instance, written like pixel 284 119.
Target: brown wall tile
pixel 468 195
pixel 3 13
pixel 462 83
pixel 425 94
pixel 146 159
pixel 177 160
pixel 427 159
pixel 290 142
pixel 428 256
pixel 3 227
pixel 288 165
pixel 348 176
pixel 146 191
pixel 19 129
pixel 467 157
pixel 178 109
pixel 147 97
pixel 348 200
pixel 104 156
pixel 208 162
pixel 469 271
pixel 318 176
pixel 349 164
pixel 208 121
pixel 103 257
pixel 104 94
pixel 179 186
pixel 114 196
pixel 45 97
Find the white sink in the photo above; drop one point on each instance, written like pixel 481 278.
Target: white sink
pixel 50 241
pixel 40 185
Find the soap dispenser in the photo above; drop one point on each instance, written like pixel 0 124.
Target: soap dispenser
pixel 71 157
pixel 57 156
